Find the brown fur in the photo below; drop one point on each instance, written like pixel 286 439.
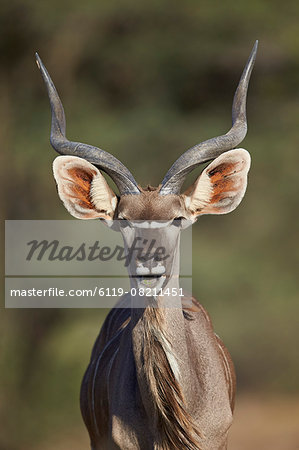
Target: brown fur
pixel 169 415
pixel 150 205
pixel 221 170
pixel 221 181
pixel 229 372
pixel 80 186
pixel 175 425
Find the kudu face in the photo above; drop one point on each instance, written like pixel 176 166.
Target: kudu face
pixel 154 223
pixel 158 213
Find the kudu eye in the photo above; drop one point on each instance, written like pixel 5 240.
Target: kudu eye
pixel 177 222
pixel 124 223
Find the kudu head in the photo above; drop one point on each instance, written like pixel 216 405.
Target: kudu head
pixel 218 190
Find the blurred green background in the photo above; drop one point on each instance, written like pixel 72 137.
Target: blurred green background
pixel 145 81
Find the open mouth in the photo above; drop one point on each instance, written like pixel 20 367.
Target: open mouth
pixel 151 281
pixel 150 278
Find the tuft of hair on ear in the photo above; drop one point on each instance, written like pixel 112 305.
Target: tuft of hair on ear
pixel 221 186
pixel 198 195
pixel 83 189
pixel 102 196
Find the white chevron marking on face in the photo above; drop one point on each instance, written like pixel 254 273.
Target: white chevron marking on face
pixel 150 224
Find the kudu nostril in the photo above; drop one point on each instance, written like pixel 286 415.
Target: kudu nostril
pixel 141 270
pixel 159 269
pixel 149 266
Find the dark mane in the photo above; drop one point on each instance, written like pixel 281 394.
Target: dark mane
pixel 175 425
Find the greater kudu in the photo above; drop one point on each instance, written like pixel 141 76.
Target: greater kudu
pixel 158 378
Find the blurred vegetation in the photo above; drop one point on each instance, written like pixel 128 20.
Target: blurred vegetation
pixel 145 81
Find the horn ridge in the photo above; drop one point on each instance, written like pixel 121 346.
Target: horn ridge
pixel 210 149
pixel 121 176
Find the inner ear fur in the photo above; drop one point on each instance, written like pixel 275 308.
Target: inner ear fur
pixel 221 186
pixel 83 189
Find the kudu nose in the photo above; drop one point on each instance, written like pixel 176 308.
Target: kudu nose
pixel 149 266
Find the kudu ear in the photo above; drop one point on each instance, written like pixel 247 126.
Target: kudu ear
pixel 83 189
pixel 221 186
